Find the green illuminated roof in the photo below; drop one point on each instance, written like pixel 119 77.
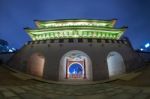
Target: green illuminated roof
pixel 75 29
pixel 75 22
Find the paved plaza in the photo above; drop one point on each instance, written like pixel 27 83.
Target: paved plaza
pixel 57 91
pixel 14 88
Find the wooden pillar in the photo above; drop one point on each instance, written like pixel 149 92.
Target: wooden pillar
pixel 84 69
pixel 66 68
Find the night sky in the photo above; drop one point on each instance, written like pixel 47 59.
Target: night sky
pixel 15 15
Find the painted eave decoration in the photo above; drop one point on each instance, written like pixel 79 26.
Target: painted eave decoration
pixel 75 28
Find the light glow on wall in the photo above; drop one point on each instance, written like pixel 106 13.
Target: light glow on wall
pixel 35 64
pixel 115 63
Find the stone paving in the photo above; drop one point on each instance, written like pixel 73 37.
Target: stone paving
pixel 14 88
pixel 58 91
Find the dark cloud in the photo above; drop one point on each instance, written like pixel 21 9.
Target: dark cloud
pixel 17 14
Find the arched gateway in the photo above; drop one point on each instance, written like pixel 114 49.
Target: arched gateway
pixel 115 63
pixel 75 65
pixel 35 64
pixel 51 53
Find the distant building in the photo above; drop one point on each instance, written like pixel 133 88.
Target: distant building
pixel 3 46
pixel 5 51
pixel 76 50
pixel 145 48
